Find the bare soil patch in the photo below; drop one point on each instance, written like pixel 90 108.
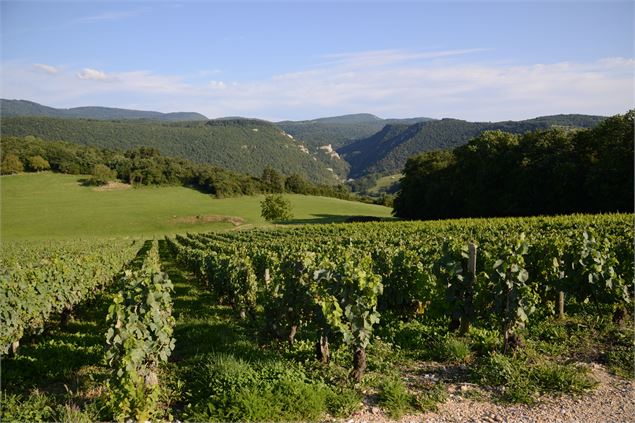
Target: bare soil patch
pixel 234 220
pixel 613 400
pixel 113 186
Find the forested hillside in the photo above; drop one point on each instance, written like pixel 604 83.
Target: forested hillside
pixel 543 172
pixel 241 145
pixel 146 166
pixel 12 108
pixel 386 152
pixel 339 130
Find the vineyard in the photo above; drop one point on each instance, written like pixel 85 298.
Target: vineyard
pixel 306 321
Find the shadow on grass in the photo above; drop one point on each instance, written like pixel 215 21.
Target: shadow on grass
pixel 317 219
pixel 202 325
pixel 56 357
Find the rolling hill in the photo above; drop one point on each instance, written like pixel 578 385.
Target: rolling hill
pixel 13 108
pixel 56 206
pixel 386 151
pixel 325 150
pixel 339 131
pixel 242 145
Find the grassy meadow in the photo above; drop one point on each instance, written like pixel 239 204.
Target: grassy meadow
pixel 56 206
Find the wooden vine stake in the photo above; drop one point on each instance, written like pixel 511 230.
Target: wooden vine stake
pixel 470 280
pixel 561 305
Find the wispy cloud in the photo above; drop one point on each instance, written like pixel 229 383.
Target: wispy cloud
pixel 394 56
pixel 390 83
pixel 51 70
pixel 107 16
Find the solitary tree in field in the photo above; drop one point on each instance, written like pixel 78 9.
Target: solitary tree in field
pixel 275 207
pixel 102 174
pixel 11 164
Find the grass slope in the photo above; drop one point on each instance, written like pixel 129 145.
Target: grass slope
pixel 47 206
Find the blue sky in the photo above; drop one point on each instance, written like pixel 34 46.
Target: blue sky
pixel 300 60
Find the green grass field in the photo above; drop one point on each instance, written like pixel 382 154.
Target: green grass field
pixel 55 206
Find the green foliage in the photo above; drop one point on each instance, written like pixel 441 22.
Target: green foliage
pixel 337 131
pixel 146 166
pixel 515 299
pixel 272 180
pixel 348 290
pixel 395 398
pixel 36 284
pixel 140 339
pixel 37 163
pixel 554 377
pixel 620 361
pixel 37 407
pixel 11 108
pixel 241 146
pixel 387 151
pixel 522 381
pixel 102 174
pixel 275 208
pixel 429 399
pixel 343 402
pixel 453 350
pixel 594 262
pixel 229 389
pixel 495 174
pixel 11 164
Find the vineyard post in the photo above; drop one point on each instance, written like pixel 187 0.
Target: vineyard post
pixel 561 305
pixel 470 280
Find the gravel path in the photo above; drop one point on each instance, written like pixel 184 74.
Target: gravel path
pixel 613 400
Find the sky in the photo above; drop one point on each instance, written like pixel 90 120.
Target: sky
pixel 277 60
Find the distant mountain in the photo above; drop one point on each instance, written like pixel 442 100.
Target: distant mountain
pixel 386 151
pixel 339 131
pixel 13 108
pixel 242 145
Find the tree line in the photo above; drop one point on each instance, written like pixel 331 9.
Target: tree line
pixel 244 146
pixel 146 166
pixel 553 171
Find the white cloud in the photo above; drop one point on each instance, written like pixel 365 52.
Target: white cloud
pixel 51 70
pixel 92 74
pixel 217 85
pixel 389 83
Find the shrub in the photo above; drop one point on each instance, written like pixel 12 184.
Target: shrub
pixel 11 164
pixel 453 350
pixel 226 388
pixel 395 398
pixel 430 399
pixel 342 402
pixel 275 207
pixel 553 377
pixel 38 163
pixel 102 174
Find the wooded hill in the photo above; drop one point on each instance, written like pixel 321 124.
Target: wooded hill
pixel 12 108
pixel 360 144
pixel 386 151
pixel 340 130
pixel 537 173
pixel 241 145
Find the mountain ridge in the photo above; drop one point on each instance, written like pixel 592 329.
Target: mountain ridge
pixel 18 108
pixel 386 151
